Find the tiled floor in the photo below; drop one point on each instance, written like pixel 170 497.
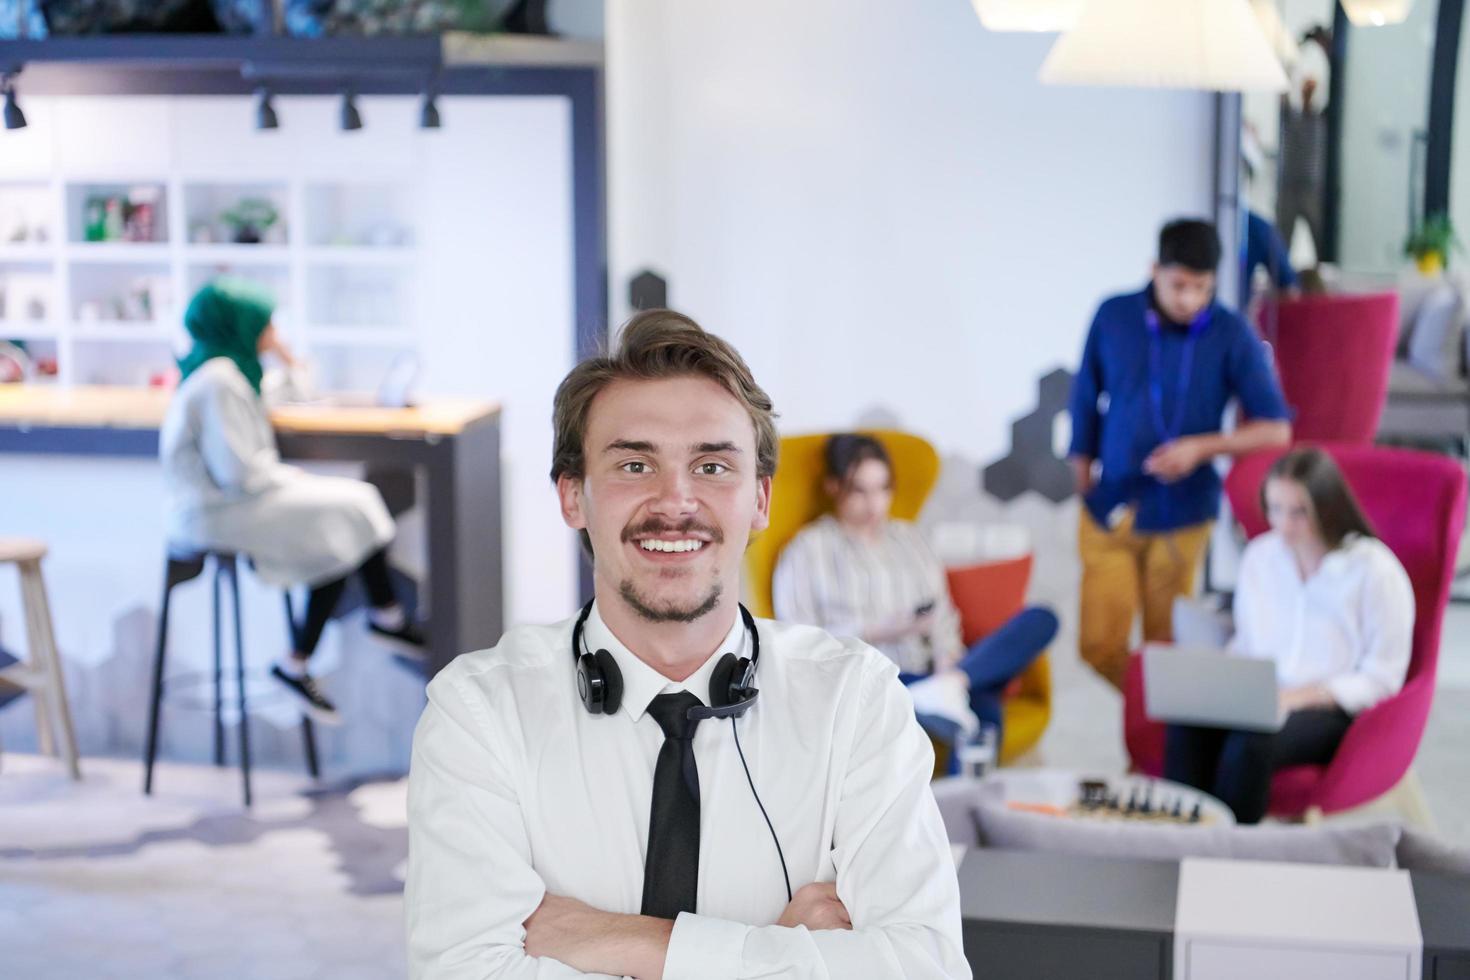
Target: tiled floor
pixel 98 881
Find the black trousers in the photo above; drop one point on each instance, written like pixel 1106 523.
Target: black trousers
pixel 323 599
pixel 1236 767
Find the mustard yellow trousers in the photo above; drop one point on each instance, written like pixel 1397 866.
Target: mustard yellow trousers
pixel 1123 569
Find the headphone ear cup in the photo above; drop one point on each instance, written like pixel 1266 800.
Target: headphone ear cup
pixel 612 680
pixel 722 681
pixel 589 683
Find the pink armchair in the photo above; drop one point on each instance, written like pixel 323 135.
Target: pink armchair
pixel 1416 502
pixel 1334 354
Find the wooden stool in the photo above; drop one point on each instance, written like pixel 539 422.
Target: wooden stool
pixel 41 674
pixel 180 568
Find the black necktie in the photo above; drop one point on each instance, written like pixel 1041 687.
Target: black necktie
pixel 671 872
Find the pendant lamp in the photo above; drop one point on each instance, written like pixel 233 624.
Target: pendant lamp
pixel 1215 45
pixel 1028 15
pixel 1376 13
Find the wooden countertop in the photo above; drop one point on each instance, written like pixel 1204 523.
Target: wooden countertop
pixel 102 407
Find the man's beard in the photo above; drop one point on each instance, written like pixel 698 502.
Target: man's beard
pixel 668 613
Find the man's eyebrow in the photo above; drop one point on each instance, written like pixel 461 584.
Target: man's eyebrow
pixel 630 446
pixel 716 447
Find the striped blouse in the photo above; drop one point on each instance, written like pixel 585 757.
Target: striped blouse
pixel 829 578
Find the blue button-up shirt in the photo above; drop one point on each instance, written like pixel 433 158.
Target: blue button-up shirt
pixel 1115 421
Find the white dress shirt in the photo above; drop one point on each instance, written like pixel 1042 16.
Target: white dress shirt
pixel 516 790
pixel 1349 626
pixel 845 584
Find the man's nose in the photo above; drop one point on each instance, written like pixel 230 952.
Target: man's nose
pixel 675 494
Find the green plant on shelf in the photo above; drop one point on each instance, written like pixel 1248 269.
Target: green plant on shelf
pixel 250 220
pixel 1431 242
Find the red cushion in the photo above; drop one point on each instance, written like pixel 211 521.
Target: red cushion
pixel 989 594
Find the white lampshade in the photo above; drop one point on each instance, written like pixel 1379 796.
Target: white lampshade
pixel 1194 44
pixel 1376 13
pixel 1028 15
pixel 1280 39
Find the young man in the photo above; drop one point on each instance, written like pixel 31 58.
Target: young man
pixel 1157 372
pixel 609 796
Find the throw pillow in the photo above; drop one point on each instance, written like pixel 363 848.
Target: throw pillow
pixel 1434 343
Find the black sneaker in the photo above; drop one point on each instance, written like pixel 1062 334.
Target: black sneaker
pixel 313 701
pixel 408 640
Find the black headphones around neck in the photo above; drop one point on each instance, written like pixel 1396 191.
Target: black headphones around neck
pixel 600 682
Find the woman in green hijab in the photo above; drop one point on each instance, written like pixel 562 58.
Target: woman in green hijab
pixel 229 491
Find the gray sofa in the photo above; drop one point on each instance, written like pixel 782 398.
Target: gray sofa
pixel 1428 389
pixel 977 818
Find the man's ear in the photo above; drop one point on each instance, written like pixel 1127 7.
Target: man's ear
pixel 762 518
pixel 569 490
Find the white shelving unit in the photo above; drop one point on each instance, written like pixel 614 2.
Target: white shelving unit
pixel 339 258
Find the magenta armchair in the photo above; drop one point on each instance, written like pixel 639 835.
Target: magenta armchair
pixel 1416 502
pixel 1326 346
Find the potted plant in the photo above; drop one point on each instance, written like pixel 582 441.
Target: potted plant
pixel 250 219
pixel 1431 242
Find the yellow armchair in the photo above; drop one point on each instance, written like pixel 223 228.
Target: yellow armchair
pixel 797 499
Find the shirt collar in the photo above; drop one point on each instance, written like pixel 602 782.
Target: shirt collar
pixel 1150 303
pixel 641 683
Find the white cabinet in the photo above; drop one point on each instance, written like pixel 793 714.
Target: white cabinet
pixel 1272 921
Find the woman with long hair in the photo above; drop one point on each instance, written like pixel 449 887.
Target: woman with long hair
pixel 858 572
pixel 1321 596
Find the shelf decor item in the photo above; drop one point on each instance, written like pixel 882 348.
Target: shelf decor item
pixel 1431 242
pixel 250 220
pixel 71 17
pixel 325 18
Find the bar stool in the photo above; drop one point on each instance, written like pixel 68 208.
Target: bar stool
pixel 182 567
pixel 41 674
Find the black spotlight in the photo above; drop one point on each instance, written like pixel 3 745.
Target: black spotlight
pixel 14 118
pixel 428 113
pixel 265 113
pixel 350 118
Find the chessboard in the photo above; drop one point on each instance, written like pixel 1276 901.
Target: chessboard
pixel 1133 801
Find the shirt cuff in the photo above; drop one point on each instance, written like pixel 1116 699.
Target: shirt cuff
pixel 1352 692
pixel 703 947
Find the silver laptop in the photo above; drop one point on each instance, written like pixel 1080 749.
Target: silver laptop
pixel 1211 688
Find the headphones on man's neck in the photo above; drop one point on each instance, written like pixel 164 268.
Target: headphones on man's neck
pixel 600 682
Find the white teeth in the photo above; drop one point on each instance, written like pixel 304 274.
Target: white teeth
pixel 671 546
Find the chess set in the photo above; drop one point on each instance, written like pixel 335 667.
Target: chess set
pixel 1144 802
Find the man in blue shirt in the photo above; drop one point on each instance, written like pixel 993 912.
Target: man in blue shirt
pixel 1158 370
pixel 1264 248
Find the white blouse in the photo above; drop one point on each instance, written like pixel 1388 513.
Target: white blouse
pixel 1349 626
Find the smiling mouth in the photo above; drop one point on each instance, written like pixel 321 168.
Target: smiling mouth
pixel 671 547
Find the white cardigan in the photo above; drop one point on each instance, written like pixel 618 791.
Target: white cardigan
pixel 228 489
pixel 1348 627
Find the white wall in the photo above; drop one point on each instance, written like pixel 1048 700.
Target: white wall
pixel 879 204
pixel 493 313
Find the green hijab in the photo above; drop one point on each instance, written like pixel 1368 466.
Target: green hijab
pixel 226 319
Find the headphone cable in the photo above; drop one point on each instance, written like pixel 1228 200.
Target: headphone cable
pixel 784 874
